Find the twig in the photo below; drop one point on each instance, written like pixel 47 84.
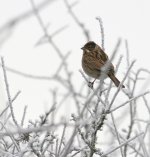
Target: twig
pixel 12 22
pixel 69 144
pixel 81 25
pixel 102 32
pixel 136 97
pixel 121 145
pixel 110 85
pixel 8 93
pixel 44 39
pixel 130 145
pixel 136 77
pixel 141 141
pixel 36 129
pixel 117 134
pixel 44 29
pixel 12 138
pixel 13 99
pixel 61 141
pixel 128 60
pixel 23 117
pixel 83 75
pixel 28 75
pixel 118 89
pixel 63 63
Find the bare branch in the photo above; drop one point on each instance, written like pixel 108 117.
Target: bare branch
pixel 134 98
pixel 81 25
pixel 102 32
pixel 121 145
pixel 8 93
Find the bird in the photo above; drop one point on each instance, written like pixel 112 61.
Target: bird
pixel 93 59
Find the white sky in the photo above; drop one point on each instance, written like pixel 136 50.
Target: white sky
pixel 128 19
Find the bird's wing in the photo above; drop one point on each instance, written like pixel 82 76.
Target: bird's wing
pixel 103 58
pixel 101 55
pixel 95 63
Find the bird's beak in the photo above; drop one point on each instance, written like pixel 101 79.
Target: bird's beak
pixel 82 48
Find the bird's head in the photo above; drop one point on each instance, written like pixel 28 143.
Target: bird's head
pixel 89 46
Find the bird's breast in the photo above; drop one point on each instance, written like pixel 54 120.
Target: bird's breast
pixel 89 69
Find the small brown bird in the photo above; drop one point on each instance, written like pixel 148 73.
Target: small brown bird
pixel 93 59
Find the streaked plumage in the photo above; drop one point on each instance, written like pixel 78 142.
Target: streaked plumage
pixel 93 59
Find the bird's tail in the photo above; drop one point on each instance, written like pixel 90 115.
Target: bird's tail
pixel 115 80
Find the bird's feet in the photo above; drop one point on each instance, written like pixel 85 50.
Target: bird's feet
pixel 90 84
